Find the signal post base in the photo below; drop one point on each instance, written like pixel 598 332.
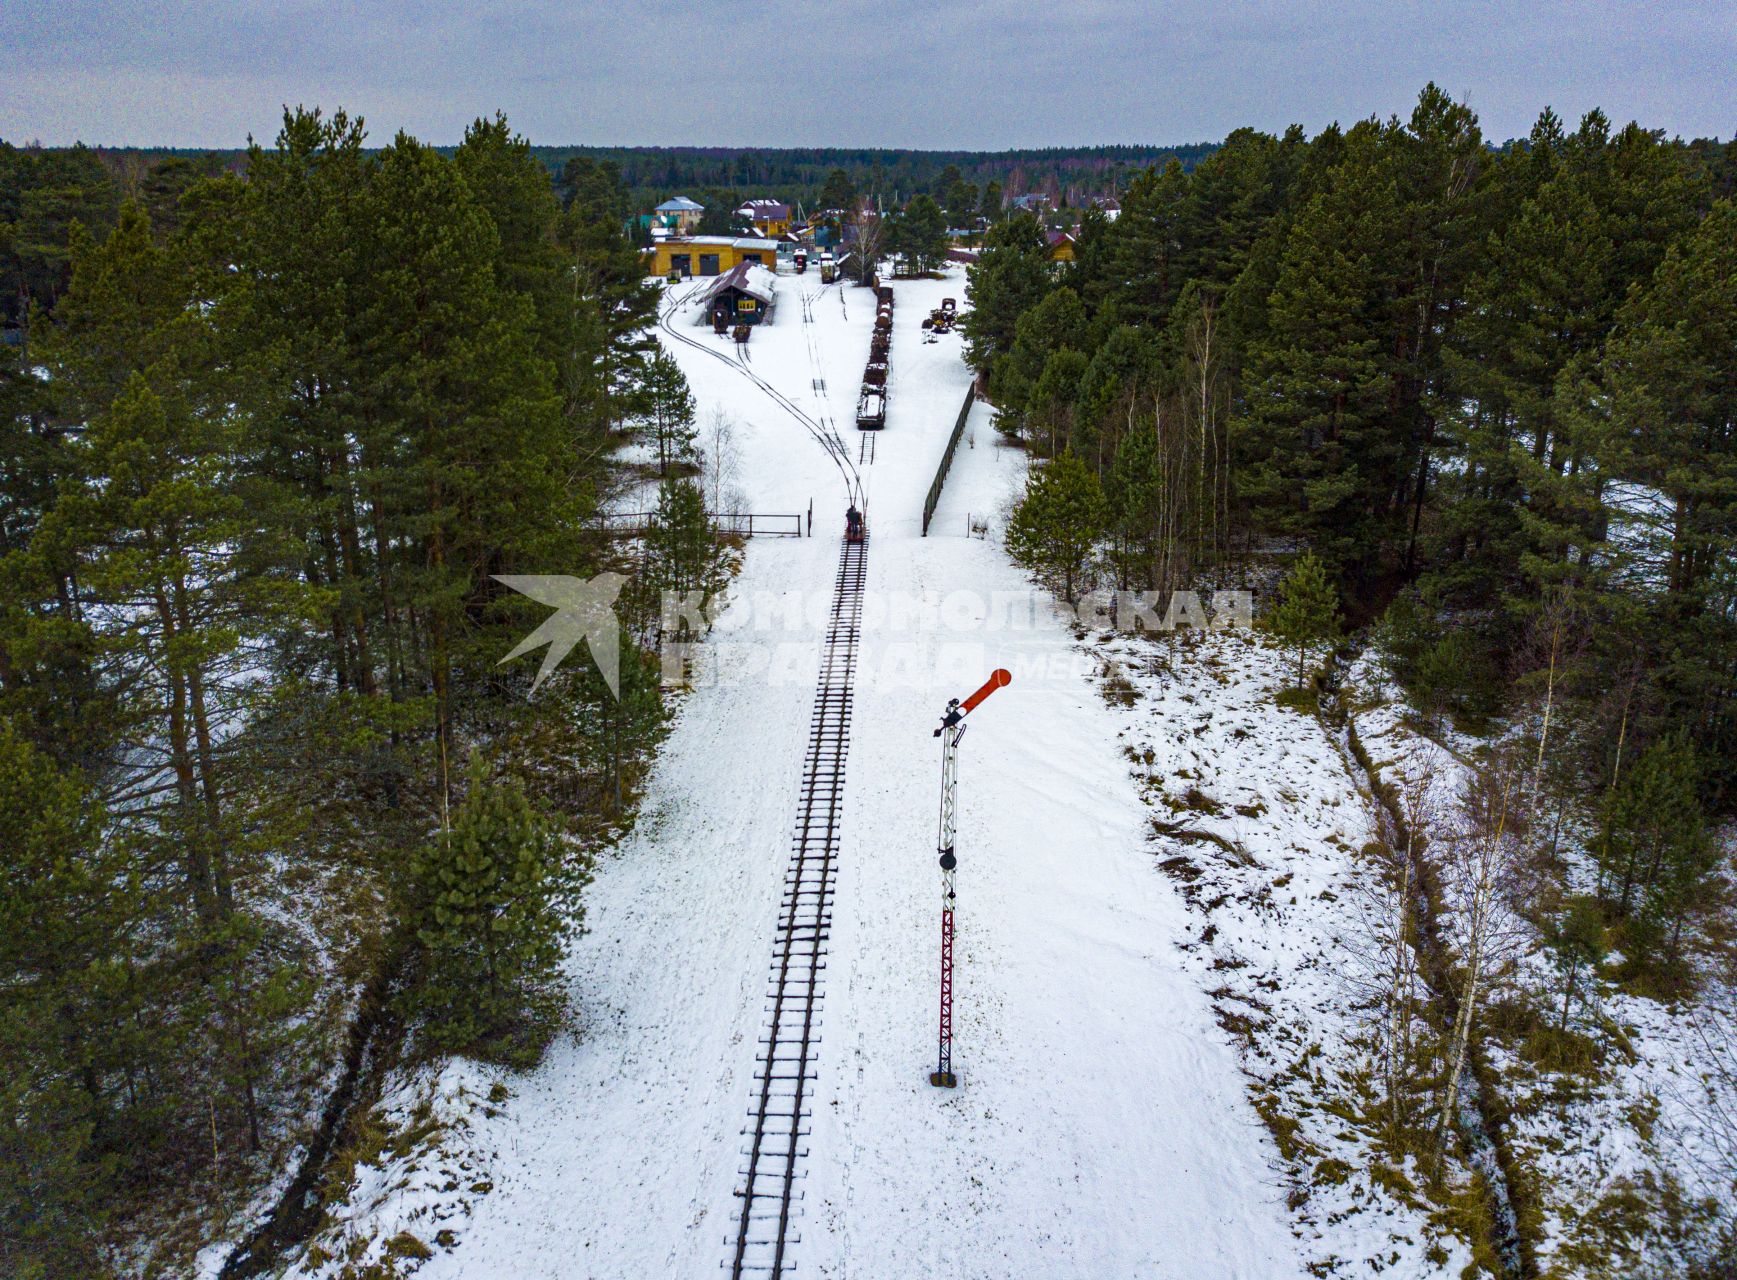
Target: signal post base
pixel 943 1079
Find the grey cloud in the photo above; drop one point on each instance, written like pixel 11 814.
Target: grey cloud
pixel 976 73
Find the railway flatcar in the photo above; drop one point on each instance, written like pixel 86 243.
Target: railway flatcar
pixel 871 409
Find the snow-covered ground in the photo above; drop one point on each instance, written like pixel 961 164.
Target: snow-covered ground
pixel 1631 1166
pixel 1104 1125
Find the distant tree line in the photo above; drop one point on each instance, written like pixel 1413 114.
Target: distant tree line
pixel 43 189
pixel 652 174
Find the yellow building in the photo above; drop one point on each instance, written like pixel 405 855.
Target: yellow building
pixel 709 255
pixel 1061 246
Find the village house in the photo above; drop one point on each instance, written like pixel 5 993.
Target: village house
pixel 1061 246
pixel 679 214
pixel 770 218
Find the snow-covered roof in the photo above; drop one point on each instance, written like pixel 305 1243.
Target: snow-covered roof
pixel 680 204
pixel 769 210
pixel 746 277
pixel 735 242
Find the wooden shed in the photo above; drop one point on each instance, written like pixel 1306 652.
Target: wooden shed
pixel 742 295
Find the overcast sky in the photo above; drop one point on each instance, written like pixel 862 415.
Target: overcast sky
pixel 894 73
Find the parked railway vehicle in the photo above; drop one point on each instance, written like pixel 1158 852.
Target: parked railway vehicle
pixel 871 409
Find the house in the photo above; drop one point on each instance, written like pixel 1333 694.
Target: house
pixel 1036 202
pixel 742 295
pixel 1109 206
pixel 709 255
pixel 680 214
pixel 1061 246
pixel 770 218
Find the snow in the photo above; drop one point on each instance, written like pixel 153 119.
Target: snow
pixel 1606 1152
pixel 1103 1125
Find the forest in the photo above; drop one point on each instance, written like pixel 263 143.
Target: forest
pixel 1466 416
pixel 269 801
pixel 1481 400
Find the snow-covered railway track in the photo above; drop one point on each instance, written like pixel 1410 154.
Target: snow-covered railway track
pixel 774 1139
pixel 825 434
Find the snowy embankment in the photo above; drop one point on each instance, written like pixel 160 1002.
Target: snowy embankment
pixel 1631 1163
pixel 1259 821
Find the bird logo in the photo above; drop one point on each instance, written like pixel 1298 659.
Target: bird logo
pixel 584 610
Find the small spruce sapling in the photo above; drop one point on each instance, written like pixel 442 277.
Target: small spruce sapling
pixel 1307 614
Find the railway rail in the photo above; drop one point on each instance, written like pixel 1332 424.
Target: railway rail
pixel 780 1105
pixel 824 433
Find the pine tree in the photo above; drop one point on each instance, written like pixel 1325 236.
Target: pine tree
pixel 1576 942
pixel 605 334
pixel 1050 405
pixel 1120 370
pixel 66 904
pixel 1057 525
pixel 1307 612
pixel 920 235
pixel 1058 323
pixel 839 192
pixel 682 553
pixel 669 419
pixel 492 900
pixel 1654 852
pixel 1136 497
pixel 1675 419
pixel 990 206
pixel 1320 460
pixel 1144 259
pixel 1010 276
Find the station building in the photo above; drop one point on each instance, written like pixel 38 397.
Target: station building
pixel 709 255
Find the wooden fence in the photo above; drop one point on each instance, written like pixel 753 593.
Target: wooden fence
pixel 729 524
pixel 947 458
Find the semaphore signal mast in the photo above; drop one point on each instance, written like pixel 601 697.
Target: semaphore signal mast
pixel 951 731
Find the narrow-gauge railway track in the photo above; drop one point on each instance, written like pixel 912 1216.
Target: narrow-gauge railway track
pixel 824 434
pixel 774 1138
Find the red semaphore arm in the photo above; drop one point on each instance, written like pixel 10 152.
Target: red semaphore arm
pixel 998 679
